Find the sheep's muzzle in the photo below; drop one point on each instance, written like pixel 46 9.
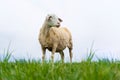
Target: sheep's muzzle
pixel 58 25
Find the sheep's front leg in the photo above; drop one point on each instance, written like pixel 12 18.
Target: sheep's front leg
pixel 43 53
pixel 62 55
pixel 53 51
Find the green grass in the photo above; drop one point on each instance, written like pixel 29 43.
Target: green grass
pixel 35 70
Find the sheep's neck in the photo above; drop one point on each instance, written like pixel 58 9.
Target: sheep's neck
pixel 46 30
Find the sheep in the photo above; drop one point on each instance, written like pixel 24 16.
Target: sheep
pixel 55 38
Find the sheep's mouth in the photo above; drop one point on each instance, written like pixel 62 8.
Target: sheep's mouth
pixel 57 25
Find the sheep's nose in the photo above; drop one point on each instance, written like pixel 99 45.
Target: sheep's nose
pixel 58 23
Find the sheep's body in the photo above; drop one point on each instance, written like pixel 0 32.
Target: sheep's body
pixel 55 39
pixel 59 36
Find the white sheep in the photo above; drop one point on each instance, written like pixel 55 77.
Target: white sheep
pixel 55 38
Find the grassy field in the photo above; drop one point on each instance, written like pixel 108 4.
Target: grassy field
pixel 34 70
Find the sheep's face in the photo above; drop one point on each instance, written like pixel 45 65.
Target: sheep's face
pixel 53 20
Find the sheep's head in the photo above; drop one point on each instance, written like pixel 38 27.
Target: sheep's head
pixel 53 20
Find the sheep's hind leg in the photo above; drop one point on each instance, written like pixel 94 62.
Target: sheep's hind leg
pixel 71 55
pixel 62 55
pixel 43 54
pixel 70 50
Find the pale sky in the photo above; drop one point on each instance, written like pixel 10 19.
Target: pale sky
pixel 89 21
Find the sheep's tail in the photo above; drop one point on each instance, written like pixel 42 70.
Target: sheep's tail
pixel 70 44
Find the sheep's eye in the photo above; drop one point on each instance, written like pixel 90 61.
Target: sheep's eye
pixel 49 18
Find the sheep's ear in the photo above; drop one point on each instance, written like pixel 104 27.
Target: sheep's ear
pixel 60 19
